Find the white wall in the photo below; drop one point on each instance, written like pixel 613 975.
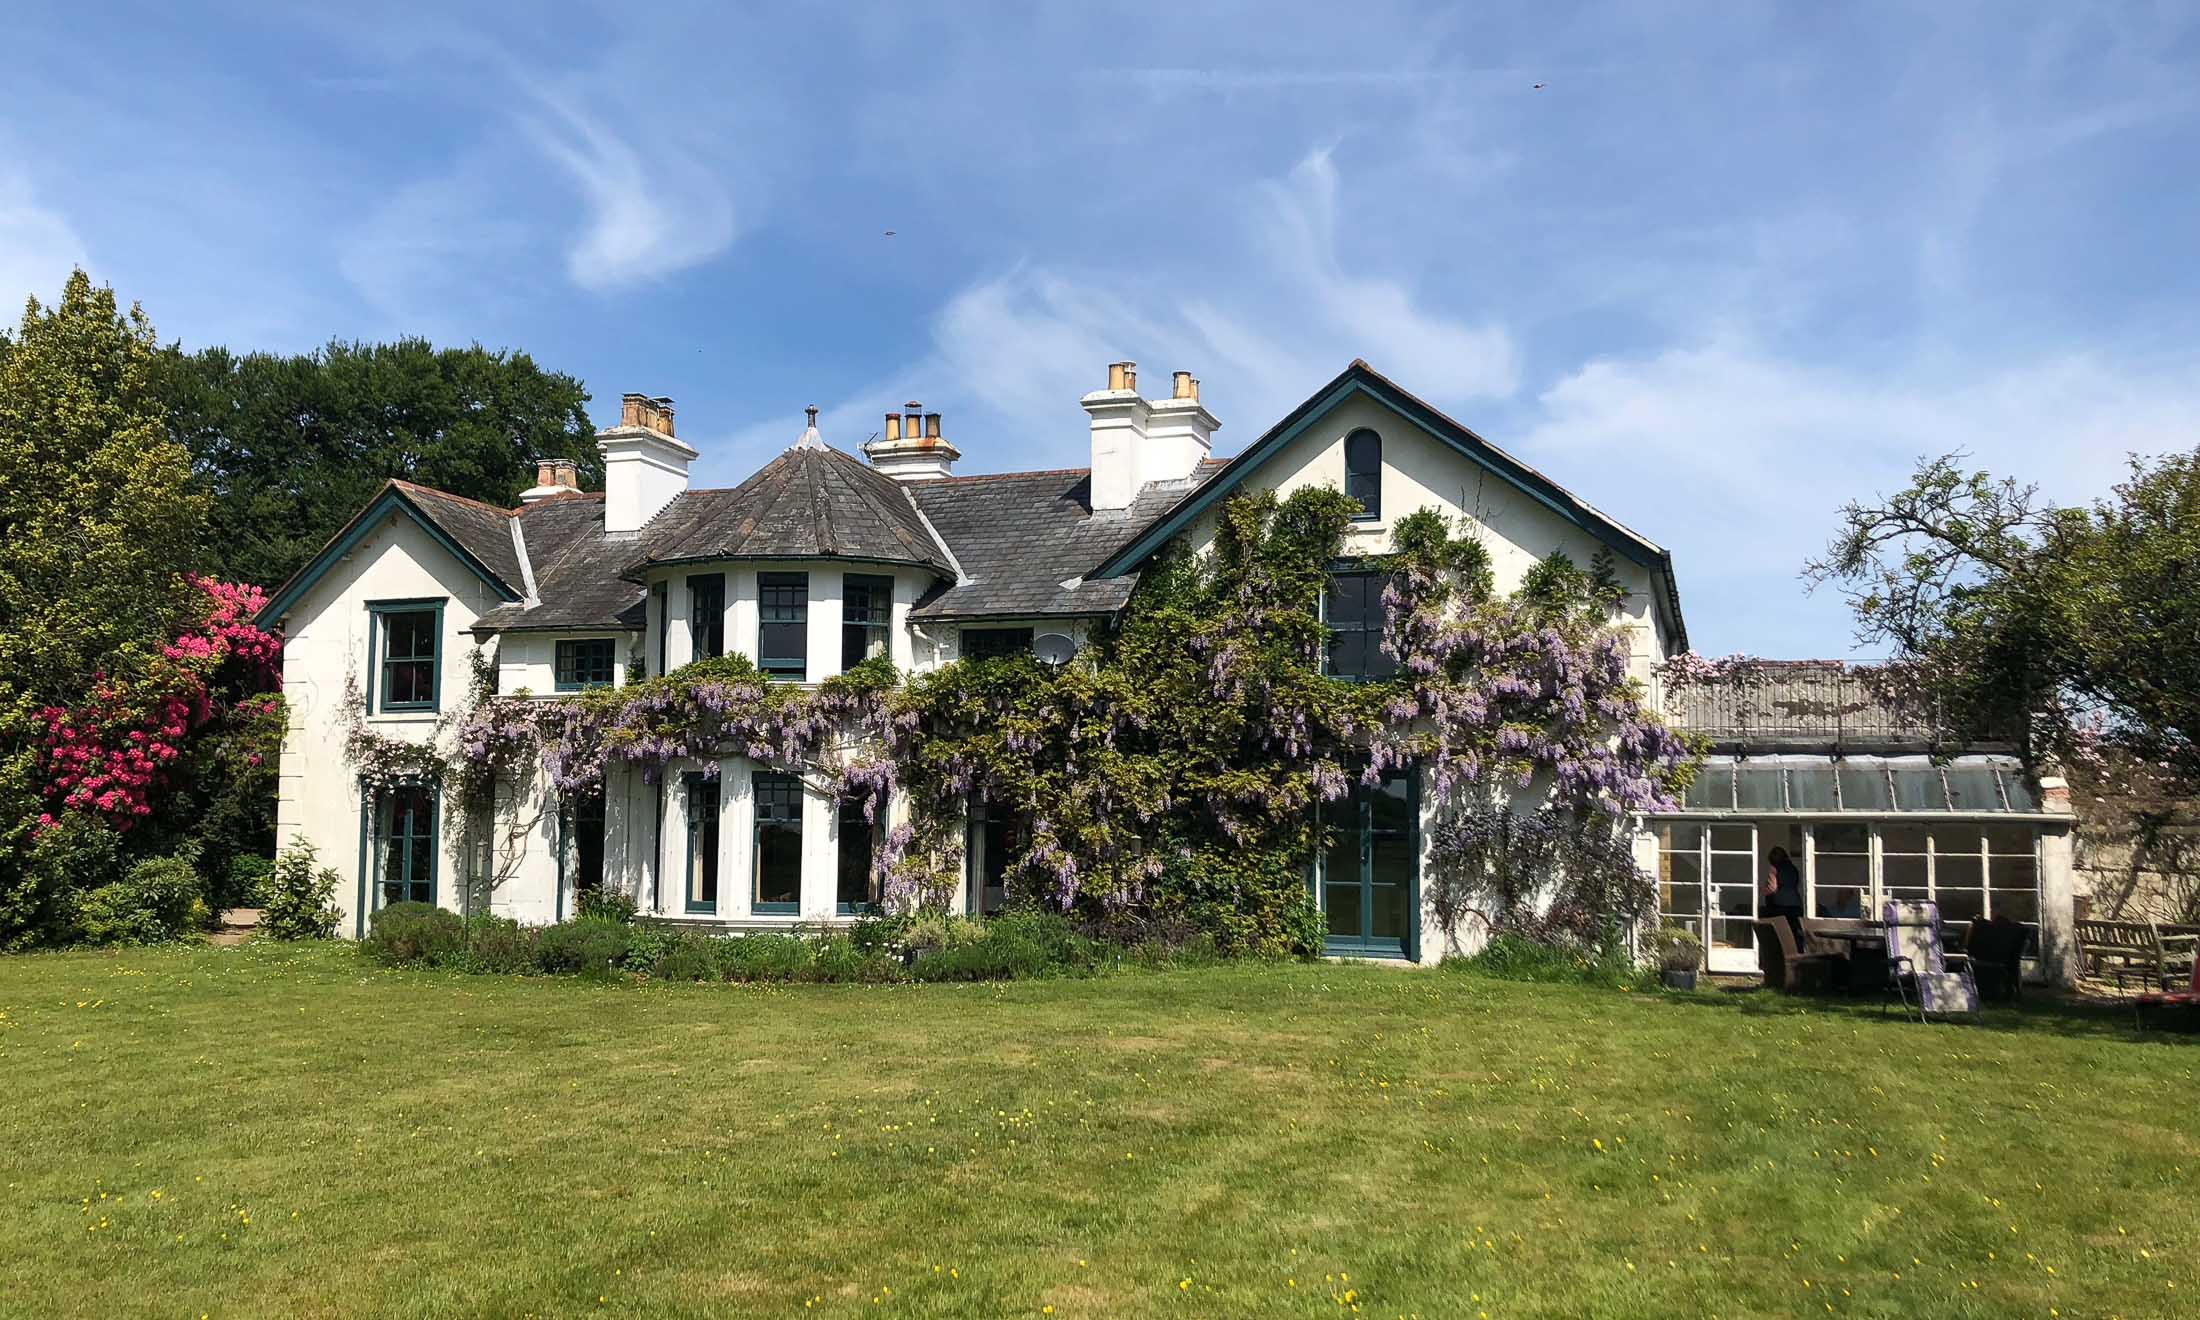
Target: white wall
pixel 527 662
pixel 326 637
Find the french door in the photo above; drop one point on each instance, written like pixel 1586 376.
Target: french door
pixel 1708 883
pixel 1369 881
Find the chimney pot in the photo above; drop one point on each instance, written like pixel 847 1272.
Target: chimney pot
pixel 1182 386
pixel 893 426
pixel 1115 374
pixel 546 472
pixel 931 426
pixel 569 474
pixel 1130 375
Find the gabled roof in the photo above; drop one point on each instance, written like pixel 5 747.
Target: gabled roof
pixel 811 502
pixel 478 535
pixel 1362 379
pixel 1026 540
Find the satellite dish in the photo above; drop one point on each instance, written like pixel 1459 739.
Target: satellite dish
pixel 1053 648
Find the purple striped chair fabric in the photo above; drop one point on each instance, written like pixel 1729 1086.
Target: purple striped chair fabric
pixel 1914 956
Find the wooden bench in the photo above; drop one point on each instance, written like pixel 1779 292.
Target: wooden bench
pixel 2136 945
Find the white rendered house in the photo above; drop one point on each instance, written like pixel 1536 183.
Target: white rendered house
pixel 821 559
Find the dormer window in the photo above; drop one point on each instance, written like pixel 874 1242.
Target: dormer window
pixel 1363 473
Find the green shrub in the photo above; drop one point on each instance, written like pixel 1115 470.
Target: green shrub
pixel 647 946
pixel 498 944
pixel 246 882
pixel 591 946
pixel 841 957
pixel 158 900
pixel 300 898
pixel 689 958
pixel 1510 957
pixel 767 957
pixel 404 934
pixel 41 893
pixel 608 904
pixel 1014 944
pixel 940 930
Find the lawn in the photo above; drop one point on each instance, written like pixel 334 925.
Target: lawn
pixel 285 1131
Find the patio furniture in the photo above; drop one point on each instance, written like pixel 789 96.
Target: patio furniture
pixel 2186 999
pixel 1995 948
pixel 1859 952
pixel 1942 981
pixel 2140 945
pixel 1785 966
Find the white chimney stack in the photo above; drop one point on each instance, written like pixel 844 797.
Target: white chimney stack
pixel 910 448
pixel 643 466
pixel 1136 441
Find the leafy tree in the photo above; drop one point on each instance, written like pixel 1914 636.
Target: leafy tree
pixel 292 446
pixel 2011 614
pixel 98 521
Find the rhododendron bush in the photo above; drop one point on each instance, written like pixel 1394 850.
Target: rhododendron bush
pixel 1177 763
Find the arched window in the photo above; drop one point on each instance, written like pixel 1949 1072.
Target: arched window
pixel 1363 472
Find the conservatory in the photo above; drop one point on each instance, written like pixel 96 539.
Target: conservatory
pixel 1968 833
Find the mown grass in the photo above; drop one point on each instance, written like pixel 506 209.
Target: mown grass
pixel 285 1131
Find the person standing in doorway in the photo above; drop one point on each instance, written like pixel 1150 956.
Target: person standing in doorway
pixel 1784 891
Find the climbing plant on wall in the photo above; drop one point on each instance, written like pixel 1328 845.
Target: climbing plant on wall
pixel 1176 764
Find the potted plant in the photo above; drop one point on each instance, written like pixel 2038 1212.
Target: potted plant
pixel 1679 954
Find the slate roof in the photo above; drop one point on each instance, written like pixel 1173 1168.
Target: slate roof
pixel 811 502
pixel 577 573
pixel 484 529
pixel 1020 536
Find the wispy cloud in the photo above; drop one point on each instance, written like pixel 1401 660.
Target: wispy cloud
pixel 38 246
pixel 649 213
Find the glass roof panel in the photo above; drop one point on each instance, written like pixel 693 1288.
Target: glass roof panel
pixel 1973 788
pixel 1918 788
pixel 1863 785
pixel 1760 788
pixel 1713 789
pixel 1810 786
pixel 2021 796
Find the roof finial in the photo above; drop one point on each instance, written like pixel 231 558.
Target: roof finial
pixel 810 438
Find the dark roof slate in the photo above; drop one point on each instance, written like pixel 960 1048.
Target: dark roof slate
pixel 483 529
pixel 1019 536
pixel 577 573
pixel 811 502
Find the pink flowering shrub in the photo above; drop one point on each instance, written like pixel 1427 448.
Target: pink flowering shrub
pixel 112 755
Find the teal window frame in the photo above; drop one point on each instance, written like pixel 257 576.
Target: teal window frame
pixel 1000 830
pixel 783 604
pixel 849 815
pixel 1363 480
pixel 703 815
pixel 379 660
pixel 568 674
pixel 1368 629
pixel 660 599
pixel 1364 945
pixel 866 617
pixel 773 791
pixel 706 616
pixel 373 840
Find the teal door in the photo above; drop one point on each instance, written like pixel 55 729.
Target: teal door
pixel 1369 882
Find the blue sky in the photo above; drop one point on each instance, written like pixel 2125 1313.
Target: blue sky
pixel 1729 266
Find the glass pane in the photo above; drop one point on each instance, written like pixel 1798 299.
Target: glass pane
pixel 1679 836
pixel 1390 913
pixel 1734 934
pixel 779 864
pixel 1960 905
pixel 987 643
pixel 1342 904
pixel 2017 905
pixel 1810 787
pixel 1735 870
pixel 1903 876
pixel 1954 871
pixel 1973 788
pixel 1842 839
pixel 1390 808
pixel 783 649
pixel 854 888
pixel 1713 789
pixel 1918 788
pixel 2019 789
pixel 1733 838
pixel 1680 883
pixel 1863 785
pixel 1843 884
pixel 702 828
pixel 2011 840
pixel 1903 838
pixel 1759 788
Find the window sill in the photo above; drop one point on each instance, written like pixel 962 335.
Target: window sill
pixel 775 910
pixel 422 716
